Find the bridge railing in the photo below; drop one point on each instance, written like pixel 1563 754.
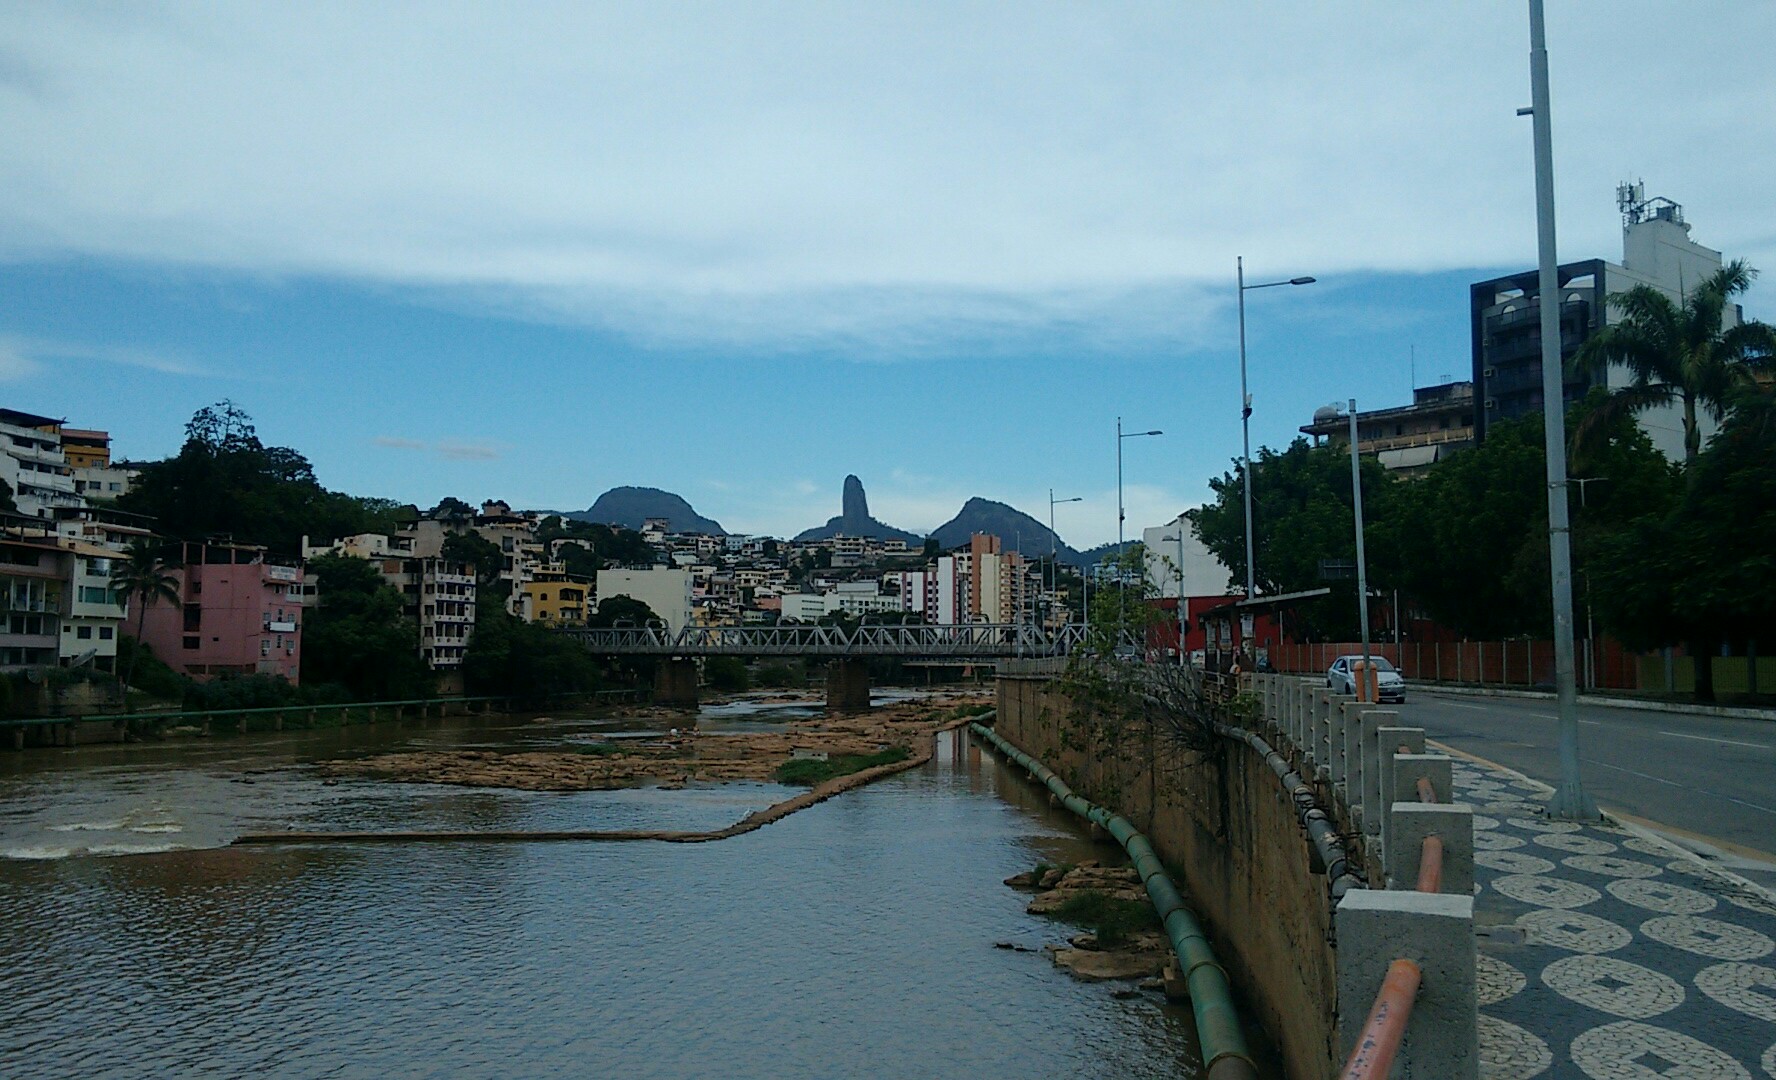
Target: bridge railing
pixel 1010 640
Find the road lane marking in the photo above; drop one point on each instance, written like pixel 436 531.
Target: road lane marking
pixel 1671 783
pixel 1724 742
pixel 1459 705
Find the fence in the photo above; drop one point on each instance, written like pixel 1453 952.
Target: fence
pixel 1482 663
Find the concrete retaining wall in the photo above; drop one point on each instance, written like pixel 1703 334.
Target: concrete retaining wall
pixel 1222 821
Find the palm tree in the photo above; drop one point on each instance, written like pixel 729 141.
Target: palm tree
pixel 1677 355
pixel 142 575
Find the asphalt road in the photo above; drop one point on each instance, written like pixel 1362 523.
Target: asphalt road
pixel 1706 782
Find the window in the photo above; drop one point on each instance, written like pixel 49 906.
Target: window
pixel 264 646
pixel 84 633
pixel 193 617
pixel 190 642
pixel 106 633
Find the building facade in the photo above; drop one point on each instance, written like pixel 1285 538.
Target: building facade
pixel 667 591
pixel 34 578
pixel 1407 438
pixel 239 612
pixel 1505 317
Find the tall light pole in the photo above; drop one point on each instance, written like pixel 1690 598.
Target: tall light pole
pixel 1121 546
pixel 1362 561
pixel 1053 575
pixel 1246 405
pixel 1569 799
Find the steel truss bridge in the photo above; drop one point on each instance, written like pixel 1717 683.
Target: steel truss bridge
pixel 971 641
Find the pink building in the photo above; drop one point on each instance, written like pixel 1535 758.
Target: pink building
pixel 239 612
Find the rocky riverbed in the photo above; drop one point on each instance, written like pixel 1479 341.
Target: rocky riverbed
pixel 1127 944
pixel 682 755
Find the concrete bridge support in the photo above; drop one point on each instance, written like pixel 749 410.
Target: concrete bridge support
pixel 847 686
pixel 675 683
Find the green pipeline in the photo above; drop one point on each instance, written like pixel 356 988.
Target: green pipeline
pixel 1211 999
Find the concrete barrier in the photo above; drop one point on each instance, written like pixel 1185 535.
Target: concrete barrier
pixel 1436 932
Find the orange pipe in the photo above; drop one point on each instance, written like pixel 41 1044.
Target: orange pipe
pixel 1426 793
pixel 1379 1040
pixel 1430 865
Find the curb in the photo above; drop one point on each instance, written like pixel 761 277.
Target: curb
pixel 1724 712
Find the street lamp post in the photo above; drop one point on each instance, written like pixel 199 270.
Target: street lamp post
pixel 1362 561
pixel 1569 799
pixel 1053 575
pixel 1121 545
pixel 1246 405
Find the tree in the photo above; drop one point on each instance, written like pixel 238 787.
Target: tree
pixel 1677 355
pixel 480 552
pixel 508 657
pixel 360 637
pixel 1702 574
pixel 224 481
pixel 7 505
pixel 141 576
pixel 624 610
pixel 1304 525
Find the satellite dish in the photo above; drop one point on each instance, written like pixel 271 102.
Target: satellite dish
pixel 1326 413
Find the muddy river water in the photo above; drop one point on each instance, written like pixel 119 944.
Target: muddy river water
pixel 856 938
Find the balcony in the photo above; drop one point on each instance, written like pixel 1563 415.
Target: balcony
pixel 284 626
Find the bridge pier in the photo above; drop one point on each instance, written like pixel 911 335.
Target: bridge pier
pixel 847 686
pixel 675 683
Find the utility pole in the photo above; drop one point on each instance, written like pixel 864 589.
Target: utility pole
pixel 1569 799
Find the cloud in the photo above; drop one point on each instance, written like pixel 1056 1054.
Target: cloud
pixel 451 450
pixel 31 352
pixel 15 365
pixel 446 449
pixel 869 180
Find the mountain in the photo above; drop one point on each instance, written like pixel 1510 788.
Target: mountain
pixel 631 506
pixel 1012 526
pixel 854 520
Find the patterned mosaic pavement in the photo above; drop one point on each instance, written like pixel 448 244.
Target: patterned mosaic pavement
pixel 1609 953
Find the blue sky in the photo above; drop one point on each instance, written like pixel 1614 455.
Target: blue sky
pixel 740 254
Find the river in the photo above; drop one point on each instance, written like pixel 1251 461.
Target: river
pixel 855 938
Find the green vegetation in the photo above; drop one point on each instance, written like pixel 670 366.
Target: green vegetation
pixel 225 481
pixel 776 675
pixel 1111 919
pixel 1677 355
pixel 359 639
pixel 727 673
pixel 508 657
pixel 141 578
pixel 813 771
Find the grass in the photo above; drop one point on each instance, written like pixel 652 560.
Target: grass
pixel 812 771
pixel 596 749
pixel 1111 919
pixel 970 710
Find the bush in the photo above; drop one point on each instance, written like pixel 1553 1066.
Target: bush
pixel 812 771
pixel 150 674
pixel 727 673
pixel 1112 920
pixel 775 676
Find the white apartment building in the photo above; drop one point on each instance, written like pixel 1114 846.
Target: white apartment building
pixel 33 465
pixel 666 590
pixel 1189 570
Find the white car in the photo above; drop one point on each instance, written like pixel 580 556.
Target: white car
pixel 1390 685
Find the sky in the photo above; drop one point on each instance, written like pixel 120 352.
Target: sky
pixel 738 251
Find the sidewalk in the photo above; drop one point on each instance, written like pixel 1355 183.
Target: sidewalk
pixel 1610 954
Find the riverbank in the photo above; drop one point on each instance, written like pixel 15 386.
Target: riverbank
pixel 679 756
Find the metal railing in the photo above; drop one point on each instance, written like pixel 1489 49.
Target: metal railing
pixel 982 640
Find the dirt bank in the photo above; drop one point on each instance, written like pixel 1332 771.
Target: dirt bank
pixel 683 756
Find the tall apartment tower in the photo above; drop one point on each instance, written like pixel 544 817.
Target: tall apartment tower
pixel 1506 319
